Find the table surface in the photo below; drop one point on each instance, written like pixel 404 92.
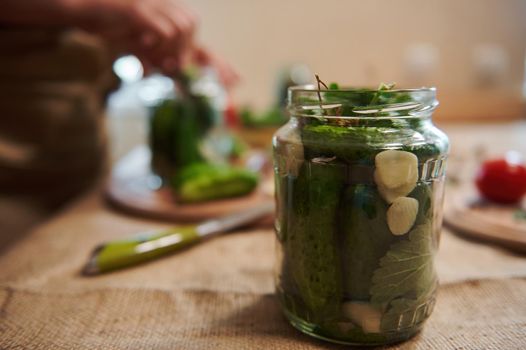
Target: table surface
pixel 219 294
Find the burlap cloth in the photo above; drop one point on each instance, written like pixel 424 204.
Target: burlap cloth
pixel 219 294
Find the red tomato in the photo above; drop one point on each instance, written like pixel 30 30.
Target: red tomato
pixel 501 181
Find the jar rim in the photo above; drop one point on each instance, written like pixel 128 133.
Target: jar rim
pixel 313 88
pixel 353 102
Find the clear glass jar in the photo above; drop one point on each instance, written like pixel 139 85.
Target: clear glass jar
pixel 359 187
pixel 178 124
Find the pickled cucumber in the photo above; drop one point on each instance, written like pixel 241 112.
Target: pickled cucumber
pixel 311 236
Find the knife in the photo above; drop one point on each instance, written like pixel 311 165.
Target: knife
pixel 144 247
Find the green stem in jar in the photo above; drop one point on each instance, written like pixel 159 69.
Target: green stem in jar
pixel 320 82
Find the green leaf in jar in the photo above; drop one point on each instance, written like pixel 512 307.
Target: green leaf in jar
pixel 423 194
pixel 407 270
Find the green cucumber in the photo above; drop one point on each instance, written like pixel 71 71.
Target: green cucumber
pixel 311 243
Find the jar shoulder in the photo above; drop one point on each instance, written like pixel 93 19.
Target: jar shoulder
pixel 423 139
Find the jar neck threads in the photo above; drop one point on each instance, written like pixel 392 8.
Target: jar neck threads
pixel 308 101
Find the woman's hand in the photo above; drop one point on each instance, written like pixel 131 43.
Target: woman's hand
pixel 159 32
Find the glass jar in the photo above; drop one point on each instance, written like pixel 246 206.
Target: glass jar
pixel 180 118
pixel 359 187
pixel 177 127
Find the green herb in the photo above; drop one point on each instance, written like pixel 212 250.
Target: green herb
pixel 349 144
pixel 350 101
pixel 378 93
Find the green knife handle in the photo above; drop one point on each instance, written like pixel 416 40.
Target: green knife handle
pixel 123 253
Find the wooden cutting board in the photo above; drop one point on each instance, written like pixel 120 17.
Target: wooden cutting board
pixel 475 218
pixel 133 188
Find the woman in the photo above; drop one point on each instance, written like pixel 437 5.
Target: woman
pixel 54 76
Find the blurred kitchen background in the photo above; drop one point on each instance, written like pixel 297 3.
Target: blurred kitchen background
pixel 472 51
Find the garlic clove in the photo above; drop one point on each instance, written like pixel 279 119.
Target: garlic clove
pixel 401 215
pixel 364 315
pixel 395 169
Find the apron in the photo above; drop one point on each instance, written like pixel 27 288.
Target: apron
pixel 52 90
